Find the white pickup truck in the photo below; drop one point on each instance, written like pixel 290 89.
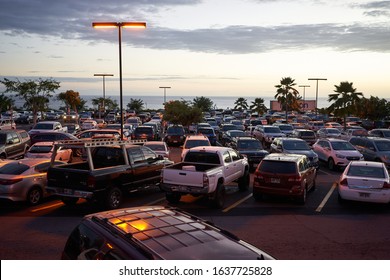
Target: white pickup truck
pixel 205 171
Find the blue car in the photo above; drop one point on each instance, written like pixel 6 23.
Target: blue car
pixel 209 133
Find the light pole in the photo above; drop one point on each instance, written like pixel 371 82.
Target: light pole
pixel 317 79
pixel 119 25
pixel 304 91
pixel 165 94
pixel 104 90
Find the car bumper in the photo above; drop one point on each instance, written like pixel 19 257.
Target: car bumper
pixel 69 192
pixel 365 195
pixel 184 189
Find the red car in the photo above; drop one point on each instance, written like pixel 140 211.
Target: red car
pixel 282 174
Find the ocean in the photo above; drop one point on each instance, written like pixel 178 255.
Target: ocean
pixel 156 102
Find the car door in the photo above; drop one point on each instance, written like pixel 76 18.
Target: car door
pixel 229 166
pixel 320 150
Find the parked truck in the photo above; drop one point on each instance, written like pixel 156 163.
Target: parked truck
pixel 104 170
pixel 205 171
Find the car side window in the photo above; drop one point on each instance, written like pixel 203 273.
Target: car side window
pixel 148 153
pixel 226 157
pixel 136 156
pixel 234 155
pixel 369 145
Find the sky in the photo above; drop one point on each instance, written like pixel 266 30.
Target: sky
pixel 237 48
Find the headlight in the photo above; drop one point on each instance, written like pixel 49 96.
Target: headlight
pixel 340 156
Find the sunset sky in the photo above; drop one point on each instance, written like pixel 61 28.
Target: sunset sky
pixel 237 48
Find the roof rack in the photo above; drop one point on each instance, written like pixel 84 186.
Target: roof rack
pixel 96 142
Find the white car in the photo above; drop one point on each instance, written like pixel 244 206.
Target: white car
pixel 194 141
pixel 89 124
pixel 46 149
pixel 366 181
pixel 336 152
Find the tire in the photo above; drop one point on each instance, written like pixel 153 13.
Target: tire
pixel 3 156
pixel 302 198
pixel 173 198
pixel 243 182
pixel 112 199
pixel 34 196
pixel 219 196
pixel 69 201
pixel 331 164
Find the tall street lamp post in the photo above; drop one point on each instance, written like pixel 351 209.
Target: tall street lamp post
pixel 317 79
pixel 104 91
pixel 119 25
pixel 165 94
pixel 304 92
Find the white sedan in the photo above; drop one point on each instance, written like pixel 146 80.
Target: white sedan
pixel 365 181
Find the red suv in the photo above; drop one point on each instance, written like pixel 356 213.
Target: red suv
pixel 282 174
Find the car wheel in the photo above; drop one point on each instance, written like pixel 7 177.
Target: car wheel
pixel 219 196
pixel 34 196
pixel 3 156
pixel 243 182
pixel 331 164
pixel 173 198
pixel 113 198
pixel 69 201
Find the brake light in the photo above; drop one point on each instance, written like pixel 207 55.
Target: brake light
pixel 344 182
pixel 205 181
pixel 386 185
pixel 10 181
pixel 91 181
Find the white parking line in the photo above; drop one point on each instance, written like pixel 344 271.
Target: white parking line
pixel 323 202
pixel 236 203
pixel 326 173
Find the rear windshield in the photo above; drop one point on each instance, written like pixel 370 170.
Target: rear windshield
pixel 307 133
pixel 40 149
pixel 202 157
pixel 383 145
pixel 175 130
pixel 280 167
pixel 196 143
pixel 366 171
pixel 143 130
pixel 272 129
pixel 13 168
pixel 43 126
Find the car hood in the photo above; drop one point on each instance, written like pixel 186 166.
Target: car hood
pixel 253 152
pixel 308 153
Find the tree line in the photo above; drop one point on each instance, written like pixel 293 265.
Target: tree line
pixel 345 101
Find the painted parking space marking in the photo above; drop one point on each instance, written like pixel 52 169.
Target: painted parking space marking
pixel 156 201
pixel 237 203
pixel 47 207
pixel 326 198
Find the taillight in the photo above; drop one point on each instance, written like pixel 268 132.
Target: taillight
pixel 91 181
pixel 205 181
pixel 386 185
pixel 10 181
pixel 344 182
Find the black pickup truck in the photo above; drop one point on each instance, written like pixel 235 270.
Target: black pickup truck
pixel 105 170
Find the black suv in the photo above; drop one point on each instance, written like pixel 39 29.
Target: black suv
pixel 154 232
pixel 175 135
pixel 14 143
pixel 252 148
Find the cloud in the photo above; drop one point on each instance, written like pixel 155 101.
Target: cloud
pixel 72 19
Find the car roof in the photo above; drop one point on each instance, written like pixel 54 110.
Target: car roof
pixel 172 234
pixel 284 157
pixel 366 163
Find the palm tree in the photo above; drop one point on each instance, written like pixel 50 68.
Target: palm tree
pixel 6 103
pixel 135 104
pixel 258 106
pixel 241 104
pixel 287 95
pixel 344 100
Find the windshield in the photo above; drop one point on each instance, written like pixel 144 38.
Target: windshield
pixel 286 127
pixel 196 143
pixel 156 147
pixel 366 171
pixel 272 130
pixel 237 133
pixel 43 126
pixel 206 131
pixel 13 168
pixel 249 145
pixel 342 146
pixel 333 131
pixel 383 145
pixel 296 145
pixel 175 130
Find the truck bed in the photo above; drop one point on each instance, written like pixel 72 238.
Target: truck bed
pixel 187 166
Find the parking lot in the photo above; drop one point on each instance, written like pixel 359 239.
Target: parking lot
pixel 321 229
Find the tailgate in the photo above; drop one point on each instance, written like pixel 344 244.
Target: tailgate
pixel 67 178
pixel 183 177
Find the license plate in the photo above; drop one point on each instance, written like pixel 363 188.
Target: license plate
pixel 275 180
pixel 68 191
pixel 180 188
pixel 364 194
